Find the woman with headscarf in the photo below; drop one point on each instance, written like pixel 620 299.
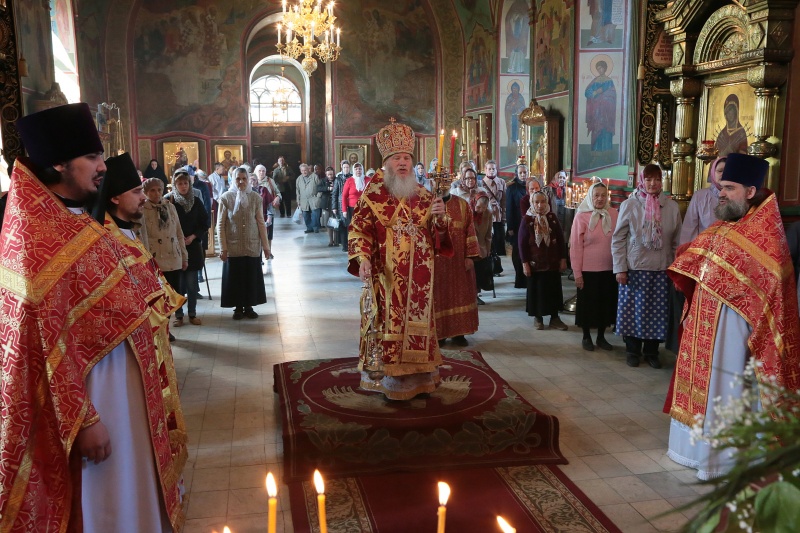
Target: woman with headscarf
pixel 243 238
pixel 643 245
pixel 194 225
pixel 700 213
pixel 164 237
pixel 154 170
pixel 592 265
pixel 544 256
pixel 353 187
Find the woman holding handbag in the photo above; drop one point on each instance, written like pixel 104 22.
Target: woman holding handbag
pixel 353 188
pixel 336 201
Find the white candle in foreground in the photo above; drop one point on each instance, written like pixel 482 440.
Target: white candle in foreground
pixel 272 491
pixel 444 494
pixel 505 526
pixel 320 486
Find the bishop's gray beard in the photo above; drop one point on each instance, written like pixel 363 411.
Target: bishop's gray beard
pixel 400 187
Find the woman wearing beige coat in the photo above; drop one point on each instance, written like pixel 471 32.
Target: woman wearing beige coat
pixel 243 238
pixel 162 234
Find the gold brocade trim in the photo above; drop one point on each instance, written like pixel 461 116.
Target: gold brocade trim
pixel 457 310
pixel 744 279
pixel 57 353
pixel 17 493
pixel 35 289
pixel 750 248
pixel 699 353
pixel 90 421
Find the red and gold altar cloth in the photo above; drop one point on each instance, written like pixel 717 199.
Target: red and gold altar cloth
pixel 454 289
pixel 397 237
pixel 746 266
pixel 70 293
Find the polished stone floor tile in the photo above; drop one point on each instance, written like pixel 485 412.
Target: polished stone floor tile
pixel 612 428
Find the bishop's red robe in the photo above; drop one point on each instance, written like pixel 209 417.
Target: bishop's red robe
pixel 70 292
pixel 454 298
pixel 398 238
pixel 742 266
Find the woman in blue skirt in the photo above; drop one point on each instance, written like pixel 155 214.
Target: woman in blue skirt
pixel 643 246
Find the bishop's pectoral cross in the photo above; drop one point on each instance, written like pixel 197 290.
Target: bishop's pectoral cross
pixel 406 227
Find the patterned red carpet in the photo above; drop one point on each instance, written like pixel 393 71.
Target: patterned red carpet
pixel 381 460
pixel 534 499
pixel 473 419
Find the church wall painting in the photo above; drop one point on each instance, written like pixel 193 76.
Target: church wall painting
pixel 515 37
pixel 553 47
pixel 392 42
pixel 602 24
pixel 480 69
pixel 598 123
pixel 188 69
pixel 514 98
pixel 472 13
pixel 35 44
pixel 600 100
pixel 90 33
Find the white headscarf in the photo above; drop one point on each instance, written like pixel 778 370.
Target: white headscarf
pixel 360 180
pixel 602 214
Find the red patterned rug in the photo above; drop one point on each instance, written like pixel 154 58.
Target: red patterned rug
pixel 474 419
pixel 533 499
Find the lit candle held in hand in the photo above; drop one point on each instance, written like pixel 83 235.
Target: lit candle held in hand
pixel 272 491
pixel 320 485
pixel 444 494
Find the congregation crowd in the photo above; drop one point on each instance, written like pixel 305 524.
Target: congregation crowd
pixel 618 258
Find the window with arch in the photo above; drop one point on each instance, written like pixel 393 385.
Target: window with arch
pixel 273 98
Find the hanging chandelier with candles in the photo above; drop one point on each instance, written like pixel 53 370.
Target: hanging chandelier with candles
pixel 308 29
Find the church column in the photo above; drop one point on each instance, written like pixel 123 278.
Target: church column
pixel 685 90
pixel 766 79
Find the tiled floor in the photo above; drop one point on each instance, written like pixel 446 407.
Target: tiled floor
pixel 612 429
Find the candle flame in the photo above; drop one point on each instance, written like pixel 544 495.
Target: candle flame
pixel 226 529
pixel 272 489
pixel 444 493
pixel 318 483
pixel 442 132
pixel 455 134
pixel 505 525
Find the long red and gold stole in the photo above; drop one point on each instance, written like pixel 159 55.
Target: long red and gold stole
pixel 746 266
pixel 69 294
pixel 397 236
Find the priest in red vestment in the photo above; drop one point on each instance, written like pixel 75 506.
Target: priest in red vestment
pixel 454 298
pixel 741 302
pixel 393 238
pixel 72 294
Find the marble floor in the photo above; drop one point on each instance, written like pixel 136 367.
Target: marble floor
pixel 612 429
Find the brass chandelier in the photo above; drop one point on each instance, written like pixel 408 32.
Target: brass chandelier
pixel 309 31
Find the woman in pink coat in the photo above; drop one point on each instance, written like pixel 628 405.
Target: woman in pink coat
pixel 590 255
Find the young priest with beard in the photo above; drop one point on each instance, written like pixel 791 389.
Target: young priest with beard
pixel 395 231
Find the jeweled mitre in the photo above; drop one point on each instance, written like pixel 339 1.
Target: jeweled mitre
pixel 394 139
